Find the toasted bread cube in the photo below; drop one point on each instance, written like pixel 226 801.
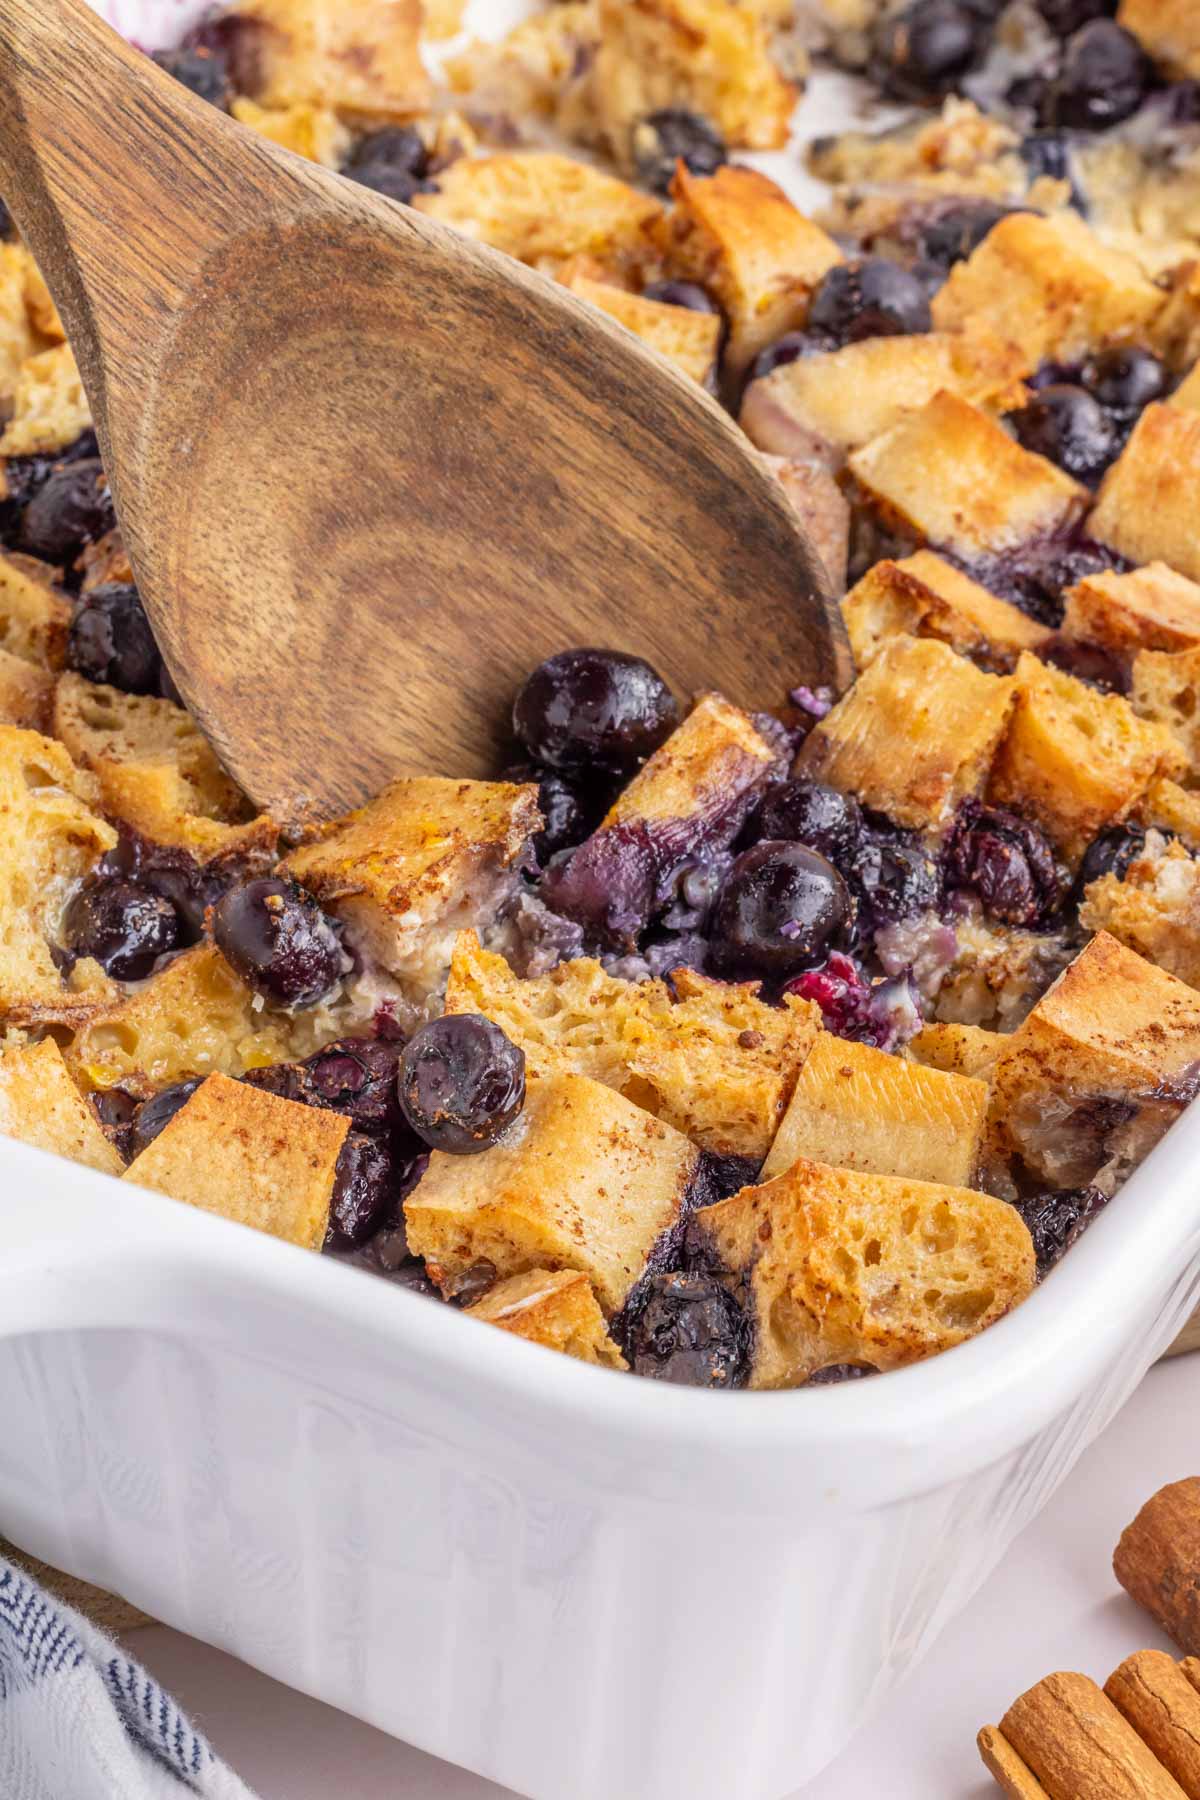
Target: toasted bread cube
pixel 717 1063
pixel 958 1049
pixel 17 341
pixel 1165 687
pixel 584 1180
pixel 556 1308
pixel 837 401
pixel 362 58
pixel 1175 333
pixel 1154 907
pixel 1169 30
pixel 925 596
pixel 739 235
pixel 1187 394
pixel 40 1105
pixel 1075 759
pixel 39 304
pixel 1113 1044
pixel 1167 807
pixel 1148 609
pixel 856 1107
pixel 710 57
pixel 1147 504
pixel 427 858
pixel 949 474
pixel 104 561
pixel 49 408
pixel 313 132
pixel 688 339
pixel 841 1266
pixel 196 1016
pixel 695 791
pixel 823 510
pixel 998 973
pixel 249 1156
pixel 1050 286
pixel 49 839
pixel 26 693
pixel 543 208
pixel 915 735
pixel 157 771
pixel 35 614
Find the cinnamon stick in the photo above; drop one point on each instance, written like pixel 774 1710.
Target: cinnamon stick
pixel 1158 1561
pixel 1014 1776
pixel 1158 1700
pixel 1073 1739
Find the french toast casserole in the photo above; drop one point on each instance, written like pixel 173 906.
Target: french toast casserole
pixel 731 1049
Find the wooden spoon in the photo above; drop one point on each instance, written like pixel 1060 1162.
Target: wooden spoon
pixel 368 471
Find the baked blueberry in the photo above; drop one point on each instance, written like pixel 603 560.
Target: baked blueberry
pixel 1110 854
pixel 356 1077
pixel 1052 153
pixel 1090 663
pixel 115 1109
pixel 687 1329
pixel 205 72
pixel 779 907
pixel 1065 17
pixel 1005 861
pixel 1105 77
pixel 672 135
pixel 362 1194
pixel 1065 424
pixel 156 1112
pixel 893 876
pixel 1124 380
pixel 681 293
pixel 1058 1219
pixel 461 1083
pixel 71 508
pixel 923 52
pixel 279 941
pixel 110 640
pixel 875 298
pixel 594 709
pixel 125 928
pixel 958 231
pixel 6 225
pixel 398 146
pixel 786 349
pixel 567 806
pixel 808 812
pixel 393 182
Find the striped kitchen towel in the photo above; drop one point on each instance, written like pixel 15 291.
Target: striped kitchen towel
pixel 80 1721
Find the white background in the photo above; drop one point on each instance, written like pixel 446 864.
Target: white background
pixel 1054 1604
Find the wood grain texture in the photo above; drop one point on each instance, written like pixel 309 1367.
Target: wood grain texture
pixel 369 471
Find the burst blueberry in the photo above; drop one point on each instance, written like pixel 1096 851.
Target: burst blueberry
pixel 1006 862
pixel 122 926
pixel 686 1329
pixel 71 508
pixel 110 640
pixel 672 135
pixel 279 941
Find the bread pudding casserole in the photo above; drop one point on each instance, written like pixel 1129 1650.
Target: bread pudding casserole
pixel 734 1050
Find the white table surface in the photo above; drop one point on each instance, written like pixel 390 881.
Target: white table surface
pixel 1053 1605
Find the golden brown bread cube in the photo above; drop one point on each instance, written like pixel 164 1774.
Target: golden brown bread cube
pixel 688 339
pixel 1076 759
pixel 1165 687
pixel 839 1266
pixel 554 1307
pixel 425 859
pixel 39 304
pixel 50 837
pixel 194 1016
pixel 856 1107
pixel 915 735
pixel 543 208
pixel 822 509
pixel 314 132
pixel 925 596
pixel 717 1063
pixel 1147 504
pixel 104 561
pixel 157 770
pixel 1113 1044
pixel 49 406
pixel 40 1105
pixel 35 614
pixel 26 693
pixel 710 57
pixel 716 751
pixel 1147 609
pixel 17 337
pixel 950 475
pixel 583 1180
pixel 248 1156
pixel 1187 394
pixel 1051 286
pixel 959 1049
pixel 831 404
pixel 1169 30
pixel 1167 807
pixel 1153 907
pixel 738 234
pixel 362 58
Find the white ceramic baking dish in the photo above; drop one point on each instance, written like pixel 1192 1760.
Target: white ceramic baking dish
pixel 576 1583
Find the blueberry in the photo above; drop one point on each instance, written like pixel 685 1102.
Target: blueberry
pixel 167 870
pixel 1067 426
pixel 156 1112
pixel 780 905
pixel 875 298
pixel 278 940
pixel 115 1109
pixel 6 224
pixel 355 1076
pixel 1124 380
pixel 73 507
pixel 461 1083
pixel 681 293
pixel 395 146
pixel 205 72
pixel 1110 854
pixel 392 182
pixel 125 928
pixel 958 231
pixel 1051 153
pixel 923 52
pixel 1105 77
pixel 570 811
pixel 1005 861
pixel 1090 663
pixel 786 349
pixel 687 1329
pixel 808 812
pixel 673 135
pixel 1065 17
pixel 471 1283
pixel 1058 1219
pixel 110 640
pixel 593 709
pixel 894 877
pixel 362 1195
